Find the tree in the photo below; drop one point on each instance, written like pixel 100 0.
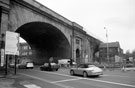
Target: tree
pixel 127 54
pixel 133 55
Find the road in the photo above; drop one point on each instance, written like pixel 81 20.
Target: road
pixel 62 79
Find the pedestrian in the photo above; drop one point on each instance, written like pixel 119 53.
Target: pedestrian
pixel 71 62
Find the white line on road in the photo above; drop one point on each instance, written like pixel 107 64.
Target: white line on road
pixel 56 73
pixel 122 84
pixel 120 76
pixel 61 85
pixel 31 86
pixel 66 80
pixel 109 82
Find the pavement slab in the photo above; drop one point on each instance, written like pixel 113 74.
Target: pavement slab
pixel 10 81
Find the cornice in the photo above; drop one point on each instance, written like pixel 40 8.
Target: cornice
pixel 5 6
pixel 5 10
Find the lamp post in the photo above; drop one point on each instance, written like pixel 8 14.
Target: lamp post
pixel 2 50
pixel 107 44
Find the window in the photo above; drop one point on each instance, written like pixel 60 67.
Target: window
pixel 83 66
pixel 29 47
pixel 24 53
pixel 77 41
pixel 25 47
pixel 30 52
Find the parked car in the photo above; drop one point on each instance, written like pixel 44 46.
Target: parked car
pixel 128 67
pixel 50 67
pixel 26 65
pixel 12 65
pixel 86 70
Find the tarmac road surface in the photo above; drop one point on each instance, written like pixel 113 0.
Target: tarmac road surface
pixel 62 79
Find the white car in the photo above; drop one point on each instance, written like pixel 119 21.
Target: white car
pixel 86 70
pixel 26 65
pixel 29 65
pixel 128 68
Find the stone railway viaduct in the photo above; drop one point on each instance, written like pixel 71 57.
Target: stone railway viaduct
pixel 48 33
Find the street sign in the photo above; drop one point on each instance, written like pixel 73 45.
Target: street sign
pixel 11 43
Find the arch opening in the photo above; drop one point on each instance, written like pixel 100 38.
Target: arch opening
pixel 78 56
pixel 45 41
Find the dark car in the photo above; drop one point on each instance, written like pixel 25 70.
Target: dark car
pixel 50 67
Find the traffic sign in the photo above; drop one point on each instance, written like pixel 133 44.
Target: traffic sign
pixel 11 43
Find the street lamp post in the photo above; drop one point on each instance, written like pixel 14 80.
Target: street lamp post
pixel 107 44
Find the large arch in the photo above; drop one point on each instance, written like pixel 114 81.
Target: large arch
pixel 45 40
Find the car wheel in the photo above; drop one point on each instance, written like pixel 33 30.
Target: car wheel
pixel 71 72
pixel 97 75
pixel 41 69
pixel 85 74
pixel 56 69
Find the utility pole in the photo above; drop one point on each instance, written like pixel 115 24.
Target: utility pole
pixel 107 45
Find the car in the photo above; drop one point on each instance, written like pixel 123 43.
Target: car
pixel 103 67
pixel 12 65
pixel 128 67
pixel 86 70
pixel 50 67
pixel 26 65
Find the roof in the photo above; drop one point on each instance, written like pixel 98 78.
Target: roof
pixel 112 44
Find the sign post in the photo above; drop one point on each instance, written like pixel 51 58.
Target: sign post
pixel 2 50
pixel 11 46
pixel 11 43
pixel 2 57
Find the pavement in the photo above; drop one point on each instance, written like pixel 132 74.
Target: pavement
pixel 19 81
pixel 11 81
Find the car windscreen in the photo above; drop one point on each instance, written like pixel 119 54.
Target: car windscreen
pixel 53 63
pixel 89 66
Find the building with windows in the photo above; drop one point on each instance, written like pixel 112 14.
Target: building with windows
pixel 25 53
pixel 114 52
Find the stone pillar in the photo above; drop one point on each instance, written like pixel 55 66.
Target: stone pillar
pixel 4 6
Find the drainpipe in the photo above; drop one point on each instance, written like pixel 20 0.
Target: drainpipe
pixel 73 41
pixel 73 45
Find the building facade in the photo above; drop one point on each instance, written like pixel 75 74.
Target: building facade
pixel 110 53
pixel 25 53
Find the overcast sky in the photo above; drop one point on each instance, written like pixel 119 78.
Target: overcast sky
pixel 118 16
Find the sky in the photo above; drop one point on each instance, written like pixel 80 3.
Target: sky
pixel 117 16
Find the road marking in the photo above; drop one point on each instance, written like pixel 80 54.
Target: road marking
pixel 55 73
pixel 31 86
pixel 119 76
pixel 122 84
pixel 66 80
pixel 109 82
pixel 61 85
